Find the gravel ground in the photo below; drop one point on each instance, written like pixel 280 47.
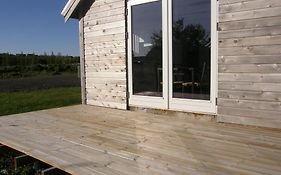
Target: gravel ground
pixel 34 83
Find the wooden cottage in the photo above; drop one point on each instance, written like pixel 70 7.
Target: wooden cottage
pixel 217 58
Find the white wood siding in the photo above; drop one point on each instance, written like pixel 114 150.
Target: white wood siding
pixel 250 62
pixel 105 54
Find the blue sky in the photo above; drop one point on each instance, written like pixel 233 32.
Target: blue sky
pixel 36 26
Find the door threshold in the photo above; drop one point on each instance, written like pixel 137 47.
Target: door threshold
pixel 174 113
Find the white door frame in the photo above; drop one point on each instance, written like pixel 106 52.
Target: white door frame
pixel 149 101
pixel 167 101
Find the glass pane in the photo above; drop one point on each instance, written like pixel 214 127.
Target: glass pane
pixel 191 49
pixel 147 49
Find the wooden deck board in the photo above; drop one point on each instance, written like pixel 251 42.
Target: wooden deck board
pixel 93 140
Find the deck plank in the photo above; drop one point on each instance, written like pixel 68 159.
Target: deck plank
pixel 94 140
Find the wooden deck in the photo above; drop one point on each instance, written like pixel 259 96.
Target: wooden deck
pixel 91 140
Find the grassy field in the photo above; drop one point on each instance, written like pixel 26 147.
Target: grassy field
pixel 19 102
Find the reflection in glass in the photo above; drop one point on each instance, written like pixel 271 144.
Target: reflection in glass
pixel 191 49
pixel 147 49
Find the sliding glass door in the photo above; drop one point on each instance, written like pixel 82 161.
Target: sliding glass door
pixel 146 54
pixel 172 54
pixel 192 46
pixel 147 49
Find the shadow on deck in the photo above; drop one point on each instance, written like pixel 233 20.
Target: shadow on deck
pixel 92 140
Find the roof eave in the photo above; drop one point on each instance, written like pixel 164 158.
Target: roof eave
pixel 69 9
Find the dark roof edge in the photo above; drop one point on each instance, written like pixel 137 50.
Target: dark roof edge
pixel 69 9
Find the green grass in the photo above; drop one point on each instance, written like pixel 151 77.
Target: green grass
pixel 19 102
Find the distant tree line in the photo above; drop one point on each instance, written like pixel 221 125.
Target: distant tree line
pixel 25 65
pixel 32 59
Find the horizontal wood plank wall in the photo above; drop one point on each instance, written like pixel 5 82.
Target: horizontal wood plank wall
pixel 105 54
pixel 250 62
